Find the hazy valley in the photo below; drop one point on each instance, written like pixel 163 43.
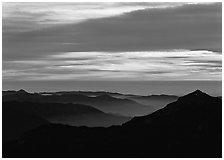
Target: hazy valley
pixel 33 122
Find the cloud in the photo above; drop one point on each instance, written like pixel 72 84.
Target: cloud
pixel 192 27
pixel 112 41
pixel 20 17
pixel 152 65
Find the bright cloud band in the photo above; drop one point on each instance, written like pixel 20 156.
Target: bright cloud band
pixel 151 65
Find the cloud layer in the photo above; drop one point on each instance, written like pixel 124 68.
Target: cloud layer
pixel 111 41
pixel 154 65
pixel 31 16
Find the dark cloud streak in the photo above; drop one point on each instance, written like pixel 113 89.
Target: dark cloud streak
pixel 187 27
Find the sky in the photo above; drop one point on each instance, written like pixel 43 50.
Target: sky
pixel 103 42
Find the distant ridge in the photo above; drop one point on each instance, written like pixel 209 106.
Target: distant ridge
pixel 104 102
pixel 190 127
pixel 67 113
pixel 11 92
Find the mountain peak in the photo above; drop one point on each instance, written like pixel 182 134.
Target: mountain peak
pixel 198 93
pixel 22 91
pixel 196 104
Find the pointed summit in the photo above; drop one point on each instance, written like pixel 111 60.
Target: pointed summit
pixel 22 91
pixel 196 94
pixel 195 106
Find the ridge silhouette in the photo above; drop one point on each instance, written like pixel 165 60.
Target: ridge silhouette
pixel 105 103
pixel 187 128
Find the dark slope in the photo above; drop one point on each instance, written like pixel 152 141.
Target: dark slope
pixel 15 122
pixel 70 114
pixel 194 107
pixel 104 103
pixel 189 127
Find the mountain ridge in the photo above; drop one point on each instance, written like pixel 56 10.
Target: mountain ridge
pixel 181 129
pixel 67 113
pixel 185 103
pixel 105 103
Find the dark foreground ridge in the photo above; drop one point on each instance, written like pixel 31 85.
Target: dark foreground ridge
pixel 19 117
pixel 189 127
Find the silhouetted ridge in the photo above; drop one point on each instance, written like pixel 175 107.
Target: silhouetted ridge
pixel 197 93
pixel 13 92
pixel 187 109
pixel 15 122
pixel 187 128
pixel 22 91
pixel 67 113
pixel 105 103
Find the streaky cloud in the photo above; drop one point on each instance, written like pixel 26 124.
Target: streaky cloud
pixel 150 65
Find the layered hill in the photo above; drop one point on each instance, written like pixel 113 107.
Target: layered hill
pixel 105 103
pixel 190 127
pixel 194 106
pixel 156 101
pixel 15 122
pixel 69 114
